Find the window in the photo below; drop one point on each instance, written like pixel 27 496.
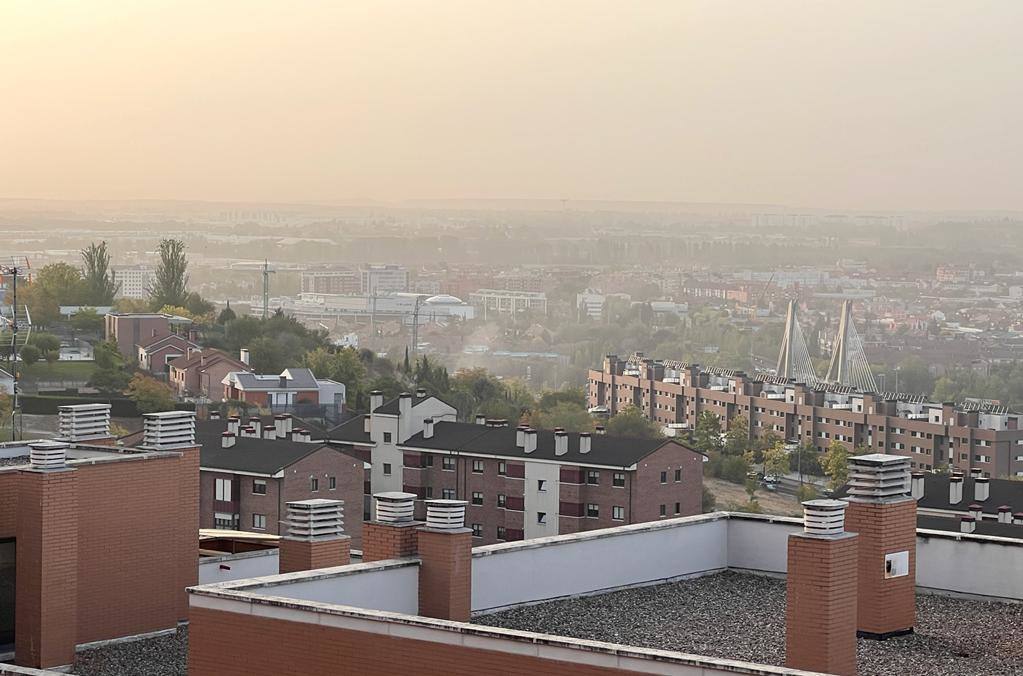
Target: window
pixel 664 477
pixel 314 484
pixel 541 484
pixel 387 469
pixel 593 477
pixel 592 510
pixel 541 517
pixel 618 513
pixel 387 437
pixel 258 486
pixel 477 498
pixel 426 460
pixel 502 468
pixel 223 487
pixel 500 532
pixel 477 530
pixel 259 521
pixel 222 520
pixel 678 475
pixel 428 492
pixel 502 499
pixel 678 507
pixel 448 463
pixel 664 510
pixel 477 466
pixel 618 479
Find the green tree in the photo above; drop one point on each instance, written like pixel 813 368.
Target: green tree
pixel 734 468
pixel 62 282
pixel 149 394
pixel 100 287
pixel 806 492
pixel 170 282
pixel 708 502
pixel 806 459
pixel 914 376
pixel 45 342
pixel 226 315
pixel 776 460
pixel 563 414
pixel 111 375
pixel 836 464
pixel 29 354
pixel 707 435
pixel 737 436
pixel 631 422
pixel 342 365
pixel 551 398
pixel 87 320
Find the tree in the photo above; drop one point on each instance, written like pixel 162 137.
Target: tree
pixel 29 354
pixel 708 502
pixel 87 321
pixel 737 436
pixel 806 460
pixel 806 492
pixel 734 468
pixel 45 342
pixel 62 282
pixel 110 375
pixel 836 464
pixel 564 414
pixel 226 315
pixel 149 394
pixel 707 436
pixel 100 287
pixel 630 422
pixel 170 282
pixel 776 460
pixel 342 365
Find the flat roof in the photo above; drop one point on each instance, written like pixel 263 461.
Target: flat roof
pixel 15 455
pixel 740 616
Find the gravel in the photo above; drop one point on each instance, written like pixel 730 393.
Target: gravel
pixel 16 460
pixel 165 655
pixel 739 616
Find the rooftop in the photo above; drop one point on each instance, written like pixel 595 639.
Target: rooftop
pixel 15 454
pixel 258 456
pixel 742 616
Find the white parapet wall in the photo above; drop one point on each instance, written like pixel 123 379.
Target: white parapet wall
pixel 238 566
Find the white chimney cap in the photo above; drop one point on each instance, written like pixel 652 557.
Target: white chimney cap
pixel 824 517
pixel 316 519
pixel 445 514
pixel 394 506
pixel 47 454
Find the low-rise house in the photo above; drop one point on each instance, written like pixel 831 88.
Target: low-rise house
pixel 131 329
pixel 157 354
pixel 250 469
pixel 286 392
pixel 201 374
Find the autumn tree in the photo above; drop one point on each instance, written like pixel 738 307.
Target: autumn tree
pixel 170 282
pixel 836 464
pixel 98 279
pixel 630 422
pixel 149 394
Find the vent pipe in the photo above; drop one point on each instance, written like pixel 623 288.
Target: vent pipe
pixel 967 524
pixel 394 506
pixel 82 422
pixel 981 489
pixel 584 442
pixel 529 444
pixel 445 514
pixel 824 517
pixel 428 428
pixel 227 439
pixel 169 429
pixel 955 490
pixel 560 443
pixel 47 455
pixel 520 436
pixel 917 482
pixel 1005 514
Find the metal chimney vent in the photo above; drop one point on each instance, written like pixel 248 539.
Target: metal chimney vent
pixel 879 476
pixel 445 514
pixel 824 517
pixel 47 454
pixel 395 506
pixel 168 429
pixel 316 519
pixel 82 422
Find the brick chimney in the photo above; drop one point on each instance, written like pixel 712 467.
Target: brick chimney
pixel 883 513
pixel 821 586
pixel 445 550
pixel 392 535
pixel 315 536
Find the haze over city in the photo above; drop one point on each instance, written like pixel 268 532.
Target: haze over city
pixel 451 338
pixel 828 104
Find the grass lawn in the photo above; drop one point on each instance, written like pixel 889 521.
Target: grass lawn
pixel 42 371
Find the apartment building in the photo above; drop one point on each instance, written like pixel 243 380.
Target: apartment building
pixel 97 542
pixel 249 469
pixel 504 301
pixel 133 281
pixel 377 279
pixel 332 280
pixel 523 483
pixel 968 435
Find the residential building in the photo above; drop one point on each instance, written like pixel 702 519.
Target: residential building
pixel 287 392
pixel 503 301
pixel 388 425
pixel 156 355
pixel 133 329
pixel 332 280
pixel 522 483
pixel 250 469
pixel 133 281
pixel 201 373
pixel 97 542
pixel 382 279
pixel 690 595
pixel 436 309
pixel 981 435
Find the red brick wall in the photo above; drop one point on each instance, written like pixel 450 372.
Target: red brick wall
pixel 298 555
pixel 445 576
pixel 885 605
pixel 232 644
pixel 323 464
pixel 649 493
pixel 382 541
pixel 820 614
pixel 8 503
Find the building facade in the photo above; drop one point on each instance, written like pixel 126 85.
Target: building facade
pixel 503 301
pixel 933 435
pixel 345 281
pixel 133 281
pixel 201 373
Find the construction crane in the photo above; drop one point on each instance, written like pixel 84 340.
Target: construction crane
pixel 20 329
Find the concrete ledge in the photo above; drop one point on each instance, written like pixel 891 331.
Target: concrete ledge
pixel 304 576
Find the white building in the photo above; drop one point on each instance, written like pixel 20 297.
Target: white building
pixel 133 280
pixel 502 301
pixel 384 279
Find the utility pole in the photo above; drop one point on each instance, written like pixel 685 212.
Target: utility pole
pixel 266 287
pixel 15 268
pixel 415 328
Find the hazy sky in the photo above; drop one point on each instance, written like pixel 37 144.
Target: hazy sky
pixel 844 104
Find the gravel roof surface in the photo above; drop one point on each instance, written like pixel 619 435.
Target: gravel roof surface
pixel 16 460
pixel 739 616
pixel 158 656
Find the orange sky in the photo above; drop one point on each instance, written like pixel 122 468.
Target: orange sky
pixel 869 104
